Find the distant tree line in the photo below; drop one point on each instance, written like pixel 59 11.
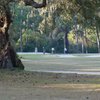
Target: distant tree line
pixel 70 24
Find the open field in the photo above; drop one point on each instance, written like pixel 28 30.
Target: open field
pixel 55 85
pixel 62 63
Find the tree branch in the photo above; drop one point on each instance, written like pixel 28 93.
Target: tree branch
pixel 35 4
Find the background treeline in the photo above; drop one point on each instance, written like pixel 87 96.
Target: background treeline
pixel 70 24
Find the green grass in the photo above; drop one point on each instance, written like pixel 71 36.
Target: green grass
pixel 56 63
pixel 30 56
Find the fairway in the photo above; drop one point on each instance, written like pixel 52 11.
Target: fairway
pixel 61 63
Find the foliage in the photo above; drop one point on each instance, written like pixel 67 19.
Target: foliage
pixel 47 27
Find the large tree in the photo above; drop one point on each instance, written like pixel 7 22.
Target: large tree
pixel 8 57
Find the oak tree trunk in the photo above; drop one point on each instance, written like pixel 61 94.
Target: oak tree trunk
pixel 8 57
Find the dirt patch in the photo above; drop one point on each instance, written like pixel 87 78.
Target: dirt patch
pixel 21 85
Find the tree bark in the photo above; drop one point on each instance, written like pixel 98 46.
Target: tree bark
pixel 98 38
pixel 86 42
pixel 8 56
pixel 35 4
pixel 66 42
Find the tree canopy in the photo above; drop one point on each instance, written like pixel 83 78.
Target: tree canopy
pixel 47 27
